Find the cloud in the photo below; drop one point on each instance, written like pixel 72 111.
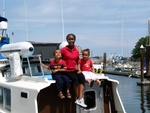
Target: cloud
pixel 96 23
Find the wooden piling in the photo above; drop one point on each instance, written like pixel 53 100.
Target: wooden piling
pixel 104 61
pixel 142 66
pixel 148 61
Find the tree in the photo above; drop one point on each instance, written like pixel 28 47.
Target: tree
pixel 136 50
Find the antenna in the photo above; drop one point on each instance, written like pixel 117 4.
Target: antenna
pixel 3 8
pixel 12 40
pixel 62 18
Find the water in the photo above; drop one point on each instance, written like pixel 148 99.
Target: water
pixel 135 98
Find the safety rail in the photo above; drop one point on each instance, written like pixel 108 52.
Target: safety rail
pixel 37 58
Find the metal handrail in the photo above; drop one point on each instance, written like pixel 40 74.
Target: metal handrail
pixel 34 56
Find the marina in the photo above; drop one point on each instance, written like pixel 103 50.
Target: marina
pixel 26 87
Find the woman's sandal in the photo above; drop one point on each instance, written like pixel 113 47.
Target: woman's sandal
pixel 68 95
pixel 61 95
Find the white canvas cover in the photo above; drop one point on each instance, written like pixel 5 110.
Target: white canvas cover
pixel 15 64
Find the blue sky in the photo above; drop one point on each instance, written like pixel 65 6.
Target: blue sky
pixel 110 26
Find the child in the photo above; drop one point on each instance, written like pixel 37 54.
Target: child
pixel 86 66
pixel 57 66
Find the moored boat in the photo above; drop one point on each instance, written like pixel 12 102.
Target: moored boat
pixel 25 87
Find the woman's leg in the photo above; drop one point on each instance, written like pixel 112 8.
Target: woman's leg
pixel 81 86
pixel 72 76
pixel 80 91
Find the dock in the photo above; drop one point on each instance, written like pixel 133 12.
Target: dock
pixel 120 73
pixel 143 83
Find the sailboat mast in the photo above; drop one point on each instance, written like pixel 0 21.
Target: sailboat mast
pixel 122 43
pixel 62 18
pixel 148 41
pixel 26 20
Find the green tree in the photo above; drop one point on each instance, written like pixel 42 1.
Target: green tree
pixel 136 50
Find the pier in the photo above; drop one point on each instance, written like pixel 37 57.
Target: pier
pixel 127 74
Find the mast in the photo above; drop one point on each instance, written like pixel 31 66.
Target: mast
pixel 148 41
pixel 3 22
pixel 62 18
pixel 122 38
pixel 26 20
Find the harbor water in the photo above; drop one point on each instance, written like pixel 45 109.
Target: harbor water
pixel 135 98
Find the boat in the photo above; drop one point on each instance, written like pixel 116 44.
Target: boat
pixel 123 67
pixel 137 73
pixel 25 87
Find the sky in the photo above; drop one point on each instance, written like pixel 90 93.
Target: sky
pixel 103 26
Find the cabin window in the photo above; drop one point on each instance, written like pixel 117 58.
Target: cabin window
pixel 90 99
pixel 1 96
pixel 24 95
pixel 5 98
pixel 36 70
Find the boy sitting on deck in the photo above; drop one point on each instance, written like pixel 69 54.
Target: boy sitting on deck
pixel 57 66
pixel 85 66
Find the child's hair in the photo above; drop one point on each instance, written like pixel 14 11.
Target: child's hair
pixel 55 51
pixel 87 49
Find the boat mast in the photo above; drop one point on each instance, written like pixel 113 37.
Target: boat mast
pixel 26 20
pixel 122 38
pixel 122 29
pixel 148 41
pixel 62 18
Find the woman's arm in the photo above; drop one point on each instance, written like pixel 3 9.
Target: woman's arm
pixel 79 68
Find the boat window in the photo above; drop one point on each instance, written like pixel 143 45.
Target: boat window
pixel 24 95
pixel 1 96
pixel 5 98
pixel 36 70
pixel 90 99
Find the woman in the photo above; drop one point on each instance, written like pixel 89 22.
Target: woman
pixel 70 55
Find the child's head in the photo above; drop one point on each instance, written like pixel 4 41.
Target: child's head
pixel 57 54
pixel 85 54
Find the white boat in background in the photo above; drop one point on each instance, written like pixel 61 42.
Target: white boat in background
pixel 123 67
pixel 25 87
